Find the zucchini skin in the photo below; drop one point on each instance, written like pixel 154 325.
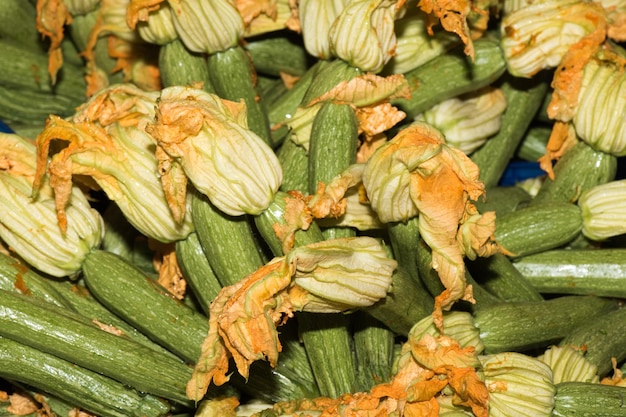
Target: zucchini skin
pixel 600 272
pixel 520 326
pixel 279 54
pixel 537 228
pixel 586 399
pixel 179 66
pixel 126 291
pixel 74 338
pixel 450 75
pixel 79 386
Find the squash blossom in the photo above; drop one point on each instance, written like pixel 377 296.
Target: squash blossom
pixel 28 224
pixel 568 363
pixel 335 275
pixel 363 33
pixel 158 28
pixel 316 19
pixel 106 143
pixel 207 26
pixel 603 208
pixel 224 160
pixel 417 174
pixel 538 35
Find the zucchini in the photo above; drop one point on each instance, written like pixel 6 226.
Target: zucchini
pixel 74 338
pixel 374 351
pixel 588 399
pixel 523 98
pixel 450 75
pixel 197 271
pixel 126 291
pixel 533 144
pixel 294 161
pixel 538 228
pixel 233 78
pixel 280 53
pixel 580 168
pixel 229 243
pixel 23 105
pixel 521 326
pixel 17 22
pixel 180 66
pixel 503 199
pixel 498 275
pixel 600 272
pixel 81 387
pixel 601 340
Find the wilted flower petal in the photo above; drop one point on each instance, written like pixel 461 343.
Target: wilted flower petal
pixel 224 160
pixel 28 225
pixel 452 14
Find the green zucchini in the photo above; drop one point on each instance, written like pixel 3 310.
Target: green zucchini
pixel 74 338
pixel 533 144
pixel 452 74
pixel 600 272
pixel 229 243
pixel 126 291
pixel 197 270
pixel 538 228
pixel 233 78
pixel 588 399
pixel 24 105
pixel 280 53
pixel 17 22
pixel 601 340
pixel 179 66
pixel 327 76
pixel 521 326
pixel 503 199
pixel 580 168
pixel 498 275
pixel 83 388
pixel 294 160
pixel 523 98
pixel 374 351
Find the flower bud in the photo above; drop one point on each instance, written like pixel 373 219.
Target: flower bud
pixel 458 325
pixel 342 273
pixel 603 208
pixel 224 160
pixel 537 35
pixel 569 364
pixel 29 226
pixel 207 25
pixel 518 385
pixel 81 7
pixel 363 34
pixel 113 14
pixel 159 28
pixel 316 19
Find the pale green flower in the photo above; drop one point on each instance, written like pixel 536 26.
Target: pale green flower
pixel 569 364
pixel 28 221
pixel 603 209
pixel 316 19
pixel 222 158
pixel 536 36
pixel 363 33
pixel 113 15
pixel 468 121
pixel 207 25
pixel 81 7
pixel 519 385
pixel 159 29
pixel 457 325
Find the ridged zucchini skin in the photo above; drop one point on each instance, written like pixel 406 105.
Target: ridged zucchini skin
pixel 74 338
pixel 294 160
pixel 233 78
pixel 538 228
pixel 579 169
pixel 601 340
pixel 524 98
pixel 81 387
pixel 126 291
pixel 273 55
pixel 23 105
pixel 520 326
pixel 229 243
pixel 179 66
pixel 503 199
pixel 600 272
pixel 586 399
pixel 450 75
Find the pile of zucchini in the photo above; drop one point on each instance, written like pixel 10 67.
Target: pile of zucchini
pixel 111 341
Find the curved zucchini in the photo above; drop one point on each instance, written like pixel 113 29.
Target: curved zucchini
pixel 587 399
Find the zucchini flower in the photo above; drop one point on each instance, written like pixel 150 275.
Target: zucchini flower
pixel 81 7
pixel 207 25
pixel 107 142
pixel 603 208
pixel 569 364
pixel 224 160
pixel 414 45
pixel 113 20
pixel 458 325
pixel 538 35
pixel 52 17
pixel 335 275
pixel 363 34
pixel 616 16
pixel 28 225
pixel 158 28
pixel 316 19
pixel 268 16
pixel 469 120
pixel 519 385
pixel 417 173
